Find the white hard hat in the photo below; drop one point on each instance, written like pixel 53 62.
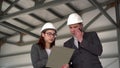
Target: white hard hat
pixel 74 18
pixel 48 25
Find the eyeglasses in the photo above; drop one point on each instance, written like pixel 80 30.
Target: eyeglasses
pixel 50 34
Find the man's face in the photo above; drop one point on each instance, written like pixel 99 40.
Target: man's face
pixel 75 27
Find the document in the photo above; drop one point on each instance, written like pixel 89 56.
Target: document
pixel 59 56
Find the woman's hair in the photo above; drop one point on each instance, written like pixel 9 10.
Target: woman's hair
pixel 41 41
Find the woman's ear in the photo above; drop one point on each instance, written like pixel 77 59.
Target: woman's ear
pixel 43 34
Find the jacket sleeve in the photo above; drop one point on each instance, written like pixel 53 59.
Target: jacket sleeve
pixel 36 61
pixel 93 44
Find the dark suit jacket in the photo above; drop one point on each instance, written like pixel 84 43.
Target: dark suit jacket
pixel 87 55
pixel 39 56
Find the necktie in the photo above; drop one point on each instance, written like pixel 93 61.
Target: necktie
pixel 79 45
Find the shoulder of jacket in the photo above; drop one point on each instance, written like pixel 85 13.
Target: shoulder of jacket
pixel 93 32
pixel 90 32
pixel 69 40
pixel 36 46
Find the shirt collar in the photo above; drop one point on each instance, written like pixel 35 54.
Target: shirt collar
pixel 75 42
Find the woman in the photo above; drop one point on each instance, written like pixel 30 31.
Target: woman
pixel 41 50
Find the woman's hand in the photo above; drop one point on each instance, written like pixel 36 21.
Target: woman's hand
pixel 65 66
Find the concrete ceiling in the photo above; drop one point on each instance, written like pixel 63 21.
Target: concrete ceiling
pixel 21 21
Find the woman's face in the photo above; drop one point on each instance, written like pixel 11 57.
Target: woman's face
pixel 49 36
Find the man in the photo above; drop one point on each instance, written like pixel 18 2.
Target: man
pixel 86 44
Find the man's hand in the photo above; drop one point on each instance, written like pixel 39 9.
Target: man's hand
pixel 79 35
